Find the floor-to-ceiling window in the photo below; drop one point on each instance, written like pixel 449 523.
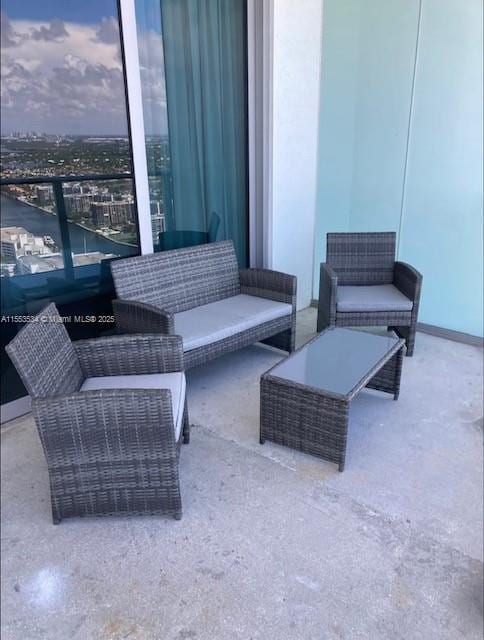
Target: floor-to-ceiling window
pixel 68 191
pixel 193 62
pixel 68 204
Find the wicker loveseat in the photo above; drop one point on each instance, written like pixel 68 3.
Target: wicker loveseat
pixel 200 294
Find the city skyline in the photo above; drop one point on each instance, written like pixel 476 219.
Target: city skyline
pixel 70 134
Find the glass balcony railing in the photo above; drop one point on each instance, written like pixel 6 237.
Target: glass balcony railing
pixel 50 223
pixel 58 237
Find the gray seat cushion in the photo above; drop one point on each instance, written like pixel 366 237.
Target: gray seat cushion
pixel 218 320
pixel 380 297
pixel 175 382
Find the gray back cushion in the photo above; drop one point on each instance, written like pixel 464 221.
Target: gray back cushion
pixel 361 258
pixel 44 356
pixel 181 279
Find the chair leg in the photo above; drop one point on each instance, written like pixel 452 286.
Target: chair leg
pixel 408 334
pixel 186 426
pixel 410 342
pixel 322 321
pixel 56 519
pixel 284 340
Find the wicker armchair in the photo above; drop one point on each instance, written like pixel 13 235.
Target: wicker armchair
pixel 110 413
pixel 200 294
pixel 361 284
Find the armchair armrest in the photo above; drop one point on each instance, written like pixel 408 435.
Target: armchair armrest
pixel 328 283
pixel 139 317
pixel 130 355
pixel 408 280
pixel 99 427
pixel 266 283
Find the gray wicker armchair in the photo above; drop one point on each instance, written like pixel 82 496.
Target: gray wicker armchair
pixel 361 284
pixel 200 294
pixel 110 413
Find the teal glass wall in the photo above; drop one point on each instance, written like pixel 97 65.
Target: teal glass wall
pixel 400 145
pixel 441 226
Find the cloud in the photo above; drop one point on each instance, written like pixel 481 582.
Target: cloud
pixel 61 80
pixel 152 68
pixel 108 31
pixel 71 80
pixel 9 37
pixel 72 91
pixel 54 32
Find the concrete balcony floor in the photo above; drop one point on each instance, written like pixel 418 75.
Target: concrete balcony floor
pixel 273 543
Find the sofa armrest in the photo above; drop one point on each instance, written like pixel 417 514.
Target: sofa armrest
pixel 266 283
pixel 130 355
pixel 408 280
pixel 99 427
pixel 328 283
pixel 139 317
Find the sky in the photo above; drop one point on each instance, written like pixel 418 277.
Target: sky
pixel 62 72
pixel 79 11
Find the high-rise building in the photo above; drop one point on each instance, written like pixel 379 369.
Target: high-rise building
pixel 157 218
pixel 112 213
pixel 45 194
pixel 100 214
pixel 78 203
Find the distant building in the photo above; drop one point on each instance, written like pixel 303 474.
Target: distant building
pixel 157 218
pixel 16 241
pixel 78 203
pixel 7 270
pixel 54 261
pixel 8 245
pixel 114 213
pixel 80 259
pixel 71 188
pixel 45 194
pixel 100 214
pixel 77 197
pixel 39 264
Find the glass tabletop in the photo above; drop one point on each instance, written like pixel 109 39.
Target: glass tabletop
pixel 336 361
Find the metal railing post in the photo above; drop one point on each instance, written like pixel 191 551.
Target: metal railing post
pixel 60 207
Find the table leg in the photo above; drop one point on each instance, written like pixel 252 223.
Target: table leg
pixel 398 373
pixel 304 419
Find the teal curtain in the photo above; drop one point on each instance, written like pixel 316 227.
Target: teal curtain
pixel 206 84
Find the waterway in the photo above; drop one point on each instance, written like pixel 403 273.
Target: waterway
pixel 14 213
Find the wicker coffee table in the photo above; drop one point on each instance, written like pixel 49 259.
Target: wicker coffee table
pixel 305 399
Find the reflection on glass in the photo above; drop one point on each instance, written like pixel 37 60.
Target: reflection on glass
pixel 32 154
pixel 63 114
pixel 102 217
pixel 100 221
pixel 194 85
pixel 30 237
pixel 63 96
pixel 336 361
pixel 152 67
pixel 64 79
